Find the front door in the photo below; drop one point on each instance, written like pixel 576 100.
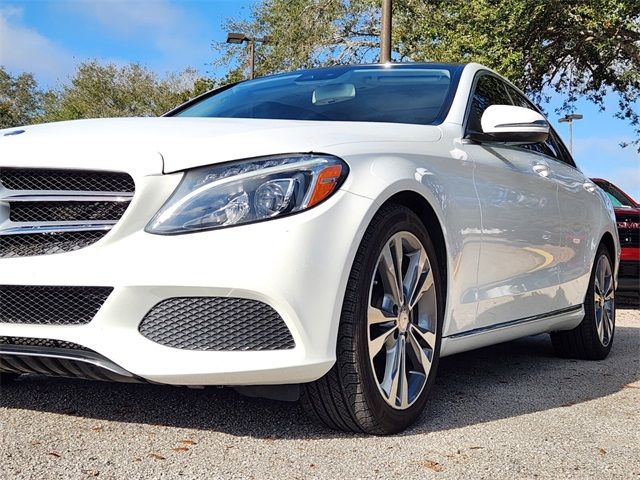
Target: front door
pixel 518 271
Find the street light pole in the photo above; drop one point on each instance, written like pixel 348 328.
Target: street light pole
pixel 252 59
pixel 240 38
pixel 569 119
pixel 385 32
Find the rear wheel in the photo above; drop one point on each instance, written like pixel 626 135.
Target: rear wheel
pixel 389 334
pixel 592 339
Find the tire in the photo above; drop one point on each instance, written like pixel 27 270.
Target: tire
pixel 360 394
pixel 593 338
pixel 6 378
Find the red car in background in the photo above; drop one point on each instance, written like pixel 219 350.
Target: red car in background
pixel 628 219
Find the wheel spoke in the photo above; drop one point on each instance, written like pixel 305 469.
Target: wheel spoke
pixel 598 297
pixel 398 255
pixel 404 380
pixel 610 295
pixel 428 337
pixel 424 285
pixel 610 324
pixel 391 380
pixel 390 280
pixel 599 326
pixel 376 344
pixel 377 315
pixel 600 273
pixel 423 360
pixel 414 276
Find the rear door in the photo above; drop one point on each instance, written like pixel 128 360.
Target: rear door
pixel 521 227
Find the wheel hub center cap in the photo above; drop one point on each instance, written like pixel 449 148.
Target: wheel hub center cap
pixel 403 320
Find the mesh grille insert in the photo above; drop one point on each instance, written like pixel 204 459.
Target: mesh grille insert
pixel 42 342
pixel 66 211
pixel 216 323
pixel 46 243
pixel 50 179
pixel 45 305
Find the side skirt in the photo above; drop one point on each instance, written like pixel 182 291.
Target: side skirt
pixel 564 319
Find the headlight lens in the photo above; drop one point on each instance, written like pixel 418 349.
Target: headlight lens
pixel 248 191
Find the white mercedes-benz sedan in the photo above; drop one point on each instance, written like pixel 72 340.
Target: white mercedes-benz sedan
pixel 325 235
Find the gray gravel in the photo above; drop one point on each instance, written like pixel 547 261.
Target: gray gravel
pixel 508 411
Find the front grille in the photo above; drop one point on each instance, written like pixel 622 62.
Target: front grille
pixel 216 323
pixel 47 305
pixel 55 179
pixel 45 211
pixel 66 211
pixel 629 270
pixel 629 238
pixel 42 342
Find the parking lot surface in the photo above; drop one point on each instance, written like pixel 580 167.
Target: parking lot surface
pixel 509 411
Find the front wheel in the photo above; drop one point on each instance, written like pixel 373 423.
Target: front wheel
pixel 389 334
pixel 592 339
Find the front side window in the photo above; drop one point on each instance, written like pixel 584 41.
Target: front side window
pixel 418 95
pixel 489 91
pixel 552 147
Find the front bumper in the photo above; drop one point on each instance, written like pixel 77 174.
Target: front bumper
pixel 297 265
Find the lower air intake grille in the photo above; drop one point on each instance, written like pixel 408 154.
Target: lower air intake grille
pixel 216 323
pixel 46 243
pixel 45 305
pixel 41 342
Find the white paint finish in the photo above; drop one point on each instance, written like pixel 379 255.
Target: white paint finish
pixel 500 119
pixel 505 233
pixel 521 236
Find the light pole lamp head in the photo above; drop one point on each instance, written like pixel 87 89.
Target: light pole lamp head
pixel 236 38
pixel 570 118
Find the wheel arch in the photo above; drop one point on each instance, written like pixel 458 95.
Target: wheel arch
pixel 608 241
pixel 423 209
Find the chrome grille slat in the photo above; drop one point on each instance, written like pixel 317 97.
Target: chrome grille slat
pixel 58 219
pixel 55 227
pixel 52 196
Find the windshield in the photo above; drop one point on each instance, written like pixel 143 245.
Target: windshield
pixel 418 94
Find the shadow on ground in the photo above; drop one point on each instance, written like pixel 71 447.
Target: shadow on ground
pixel 501 381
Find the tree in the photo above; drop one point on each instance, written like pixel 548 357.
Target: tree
pixel 20 99
pixel 574 47
pixel 107 90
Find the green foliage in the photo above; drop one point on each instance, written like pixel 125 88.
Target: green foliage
pixel 20 99
pixel 97 90
pixel 575 47
pixel 107 90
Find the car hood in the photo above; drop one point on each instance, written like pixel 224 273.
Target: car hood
pixel 169 144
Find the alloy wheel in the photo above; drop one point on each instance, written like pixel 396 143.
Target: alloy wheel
pixel 402 320
pixel 604 300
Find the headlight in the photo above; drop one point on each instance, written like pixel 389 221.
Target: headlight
pixel 248 191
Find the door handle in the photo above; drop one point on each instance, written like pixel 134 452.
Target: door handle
pixel 541 169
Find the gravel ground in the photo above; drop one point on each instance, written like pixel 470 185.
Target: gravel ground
pixel 508 411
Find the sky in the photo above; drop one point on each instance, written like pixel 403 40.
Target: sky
pixel 49 37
